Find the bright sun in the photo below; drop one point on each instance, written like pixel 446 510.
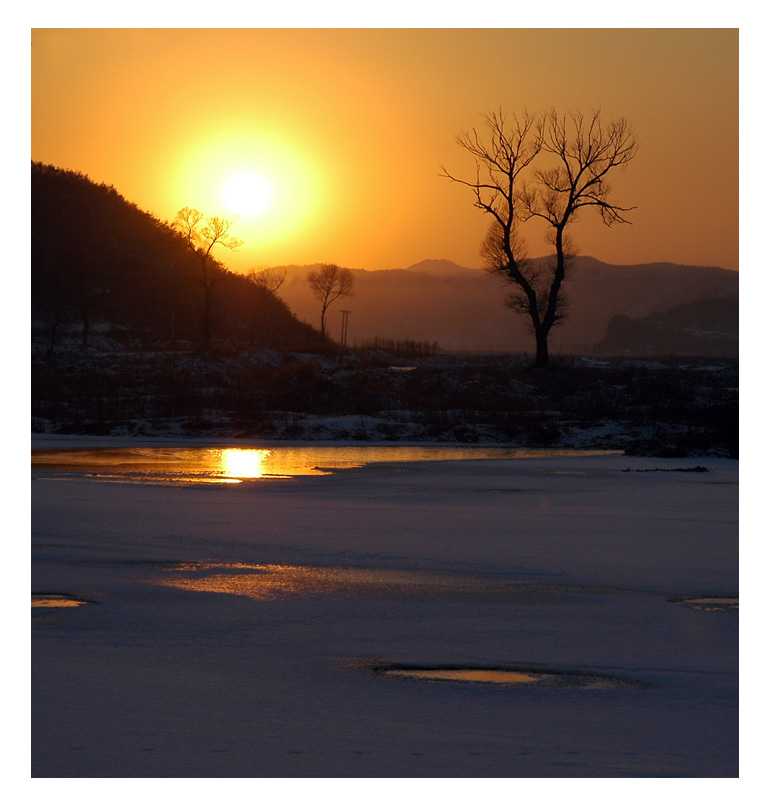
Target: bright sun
pixel 247 194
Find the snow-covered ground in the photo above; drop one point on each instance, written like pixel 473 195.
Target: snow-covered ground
pixel 154 680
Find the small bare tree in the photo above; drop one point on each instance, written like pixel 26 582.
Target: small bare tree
pixel 547 167
pixel 201 235
pixel 328 283
pixel 268 279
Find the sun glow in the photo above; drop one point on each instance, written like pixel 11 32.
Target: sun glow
pixel 247 194
pixel 267 183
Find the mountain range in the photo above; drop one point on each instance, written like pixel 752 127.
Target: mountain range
pixel 102 265
pixel 463 309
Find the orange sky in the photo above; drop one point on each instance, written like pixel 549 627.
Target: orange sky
pixel 350 127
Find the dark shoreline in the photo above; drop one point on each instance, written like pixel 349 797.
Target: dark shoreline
pixel 664 407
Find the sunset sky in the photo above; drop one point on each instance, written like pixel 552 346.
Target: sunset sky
pixel 346 130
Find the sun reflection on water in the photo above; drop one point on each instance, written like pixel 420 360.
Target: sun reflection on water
pixel 243 463
pixel 274 581
pixel 183 465
pixel 277 581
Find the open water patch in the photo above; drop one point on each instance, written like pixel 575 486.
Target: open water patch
pixel 504 676
pixel 57 601
pixel 184 465
pixel 697 469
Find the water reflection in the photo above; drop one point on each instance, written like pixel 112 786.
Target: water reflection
pixel 205 465
pixel 178 466
pixel 243 463
pixel 525 678
pixel 279 581
pixel 472 675
pixel 55 601
pixel 274 581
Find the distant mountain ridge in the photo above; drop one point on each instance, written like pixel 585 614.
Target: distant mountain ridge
pixel 433 266
pixel 463 309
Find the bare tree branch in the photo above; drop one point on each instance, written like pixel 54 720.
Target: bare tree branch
pixel 269 279
pixel 200 236
pixel 328 283
pixel 542 167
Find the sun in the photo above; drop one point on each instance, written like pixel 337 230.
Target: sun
pixel 270 184
pixel 247 194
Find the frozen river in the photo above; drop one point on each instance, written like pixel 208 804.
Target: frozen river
pixel 515 617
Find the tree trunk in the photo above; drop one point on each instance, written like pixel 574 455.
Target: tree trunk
pixel 205 336
pixel 53 334
pixel 542 348
pixel 205 322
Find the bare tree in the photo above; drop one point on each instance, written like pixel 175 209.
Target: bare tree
pixel 201 235
pixel 545 167
pixel 268 279
pixel 328 283
pixel 265 283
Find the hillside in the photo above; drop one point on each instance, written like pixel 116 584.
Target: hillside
pixel 104 269
pixel 463 309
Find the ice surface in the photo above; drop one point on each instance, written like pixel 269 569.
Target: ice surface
pixel 153 680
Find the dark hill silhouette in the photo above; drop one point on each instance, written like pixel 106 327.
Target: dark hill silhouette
pixel 463 309
pixel 705 327
pixel 98 259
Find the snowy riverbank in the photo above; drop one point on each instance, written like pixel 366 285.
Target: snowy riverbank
pixel 669 408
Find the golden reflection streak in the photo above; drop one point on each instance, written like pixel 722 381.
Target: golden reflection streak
pixel 54 601
pixel 243 463
pixel 267 582
pixel 478 676
pixel 276 581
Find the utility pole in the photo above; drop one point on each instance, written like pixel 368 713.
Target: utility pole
pixel 344 327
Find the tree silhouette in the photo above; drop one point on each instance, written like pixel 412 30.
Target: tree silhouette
pixel 547 167
pixel 328 283
pixel 200 236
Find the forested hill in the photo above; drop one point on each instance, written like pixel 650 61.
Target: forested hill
pixel 100 265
